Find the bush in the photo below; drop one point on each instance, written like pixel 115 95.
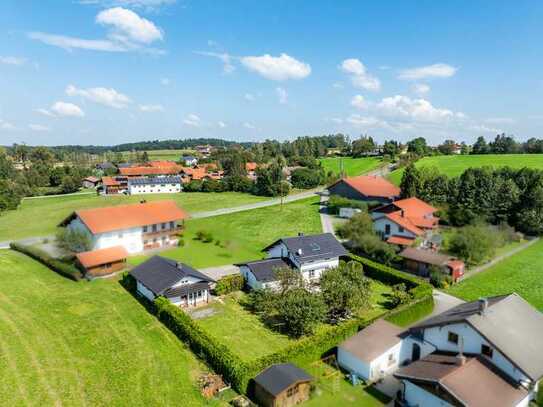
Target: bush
pixel 229 284
pixel 193 186
pixel 336 202
pixel 306 178
pixel 408 314
pixel 474 243
pixel 64 269
pixel 204 236
pixel 74 240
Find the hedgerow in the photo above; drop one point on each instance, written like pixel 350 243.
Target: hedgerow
pixel 229 284
pixel 58 266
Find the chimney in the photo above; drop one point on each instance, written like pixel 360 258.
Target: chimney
pixel 460 358
pixel 300 234
pixel 300 252
pixel 483 305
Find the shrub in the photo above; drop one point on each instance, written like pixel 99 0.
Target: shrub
pixel 407 314
pixel 74 240
pixel 229 284
pixel 204 236
pixel 474 243
pixel 193 186
pixel 305 178
pixel 64 269
pixel 400 295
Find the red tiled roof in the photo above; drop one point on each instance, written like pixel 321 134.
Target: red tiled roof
pixel 404 222
pixel 162 164
pixel 101 220
pixel 415 207
pixel 110 182
pixel 400 240
pixel 91 179
pixel 135 171
pixel 250 166
pixel 102 256
pixel 373 186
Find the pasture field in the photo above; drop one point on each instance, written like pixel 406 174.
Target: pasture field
pixel 521 273
pixel 352 166
pixel 454 165
pixel 241 236
pixel 169 155
pixel 85 344
pixel 40 216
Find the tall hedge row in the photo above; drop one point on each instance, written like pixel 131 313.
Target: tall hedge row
pixel 407 314
pixel 64 269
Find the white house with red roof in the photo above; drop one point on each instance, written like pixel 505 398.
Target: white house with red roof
pixel 368 188
pixel 402 221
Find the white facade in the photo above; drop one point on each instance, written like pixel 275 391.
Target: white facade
pixel 386 228
pixel 348 213
pixel 253 282
pixel 192 299
pixel 416 396
pixel 383 365
pixel 134 240
pixel 166 188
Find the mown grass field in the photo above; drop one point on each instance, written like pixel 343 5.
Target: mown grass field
pixel 351 166
pixel 455 165
pixel 171 155
pixel 243 332
pixel 521 273
pixel 243 235
pixel 39 217
pixel 85 344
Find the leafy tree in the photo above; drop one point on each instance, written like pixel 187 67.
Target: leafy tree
pixel 411 182
pixel 69 184
pixel 363 146
pixel 399 295
pixel 301 311
pixel 503 144
pixel 480 146
pixel 345 290
pixel 473 244
pixel 306 178
pixel 238 183
pixel 391 148
pixel 418 146
pixel 56 175
pixel 288 279
pixel 359 224
pixel 74 240
pixel 448 147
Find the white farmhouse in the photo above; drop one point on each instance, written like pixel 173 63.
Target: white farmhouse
pixel 310 255
pixel 154 185
pixel 178 282
pixel 482 353
pixel 136 227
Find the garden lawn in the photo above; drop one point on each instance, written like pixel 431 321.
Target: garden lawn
pixel 243 235
pixel 40 216
pixel 521 273
pixel 455 165
pixel 352 166
pixel 243 332
pixel 85 344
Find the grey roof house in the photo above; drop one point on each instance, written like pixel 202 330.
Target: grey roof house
pixel 282 384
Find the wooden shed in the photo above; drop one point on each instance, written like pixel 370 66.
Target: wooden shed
pixel 282 385
pixel 103 261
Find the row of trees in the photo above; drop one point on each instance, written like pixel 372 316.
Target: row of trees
pixel 514 196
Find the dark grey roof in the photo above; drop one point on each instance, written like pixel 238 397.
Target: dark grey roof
pixel 509 323
pixel 159 274
pixel 277 378
pixel 185 289
pixel 105 165
pixel 312 247
pixel 124 165
pixel 264 270
pixel 154 180
pixel 425 256
pixel 189 157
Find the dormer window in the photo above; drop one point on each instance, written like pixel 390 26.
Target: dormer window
pixel 486 351
pixel 452 338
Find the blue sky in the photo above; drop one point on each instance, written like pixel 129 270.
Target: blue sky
pixel 113 71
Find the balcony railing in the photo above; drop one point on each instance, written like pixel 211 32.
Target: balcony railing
pixel 162 232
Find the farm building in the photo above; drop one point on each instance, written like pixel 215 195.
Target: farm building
pixel 373 352
pixel 90 182
pixel 178 282
pixel 419 262
pixel 114 185
pixel 367 188
pixel 154 185
pixel 136 227
pixel 102 262
pixel 282 385
pixel 190 160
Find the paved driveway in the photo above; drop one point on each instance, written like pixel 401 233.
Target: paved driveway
pixel 216 273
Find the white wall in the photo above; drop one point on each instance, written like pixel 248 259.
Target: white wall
pixel 380 224
pixel 145 291
pixel 418 397
pixel 352 364
pixel 253 282
pixel 135 189
pixel 382 365
pixel 130 239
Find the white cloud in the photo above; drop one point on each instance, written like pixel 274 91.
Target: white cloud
pixel 337 85
pixel 44 112
pixel 151 108
pixel 365 121
pixel 359 102
pixel 67 109
pixel 128 25
pixel 104 96
pixel 500 120
pixel 226 59
pixel 250 97
pixel 484 129
pixel 164 81
pixel 6 125
pixel 430 71
pixel 278 68
pixel 404 107
pixel 420 88
pixel 336 120
pixel 148 5
pixel 69 43
pixel 38 127
pixel 360 77
pixel 222 125
pixel 12 60
pixel 249 126
pixel 192 120
pixel 282 95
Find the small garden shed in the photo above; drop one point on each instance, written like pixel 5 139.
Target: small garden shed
pixel 282 385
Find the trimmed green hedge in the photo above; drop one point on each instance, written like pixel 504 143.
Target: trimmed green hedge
pixel 58 266
pixel 229 284
pixel 407 314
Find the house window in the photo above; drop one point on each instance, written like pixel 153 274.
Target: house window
pixel 387 229
pixel 453 338
pixel 172 225
pixel 400 229
pixel 145 229
pixel 487 351
pixel 120 235
pixel 292 391
pixel 163 226
pixel 311 273
pixel 155 228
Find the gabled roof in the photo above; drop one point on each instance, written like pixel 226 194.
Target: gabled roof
pixel 475 383
pixel 277 378
pixel 264 270
pixel 163 164
pixel 400 240
pixel 372 186
pixel 91 179
pixel 404 222
pixel 372 341
pixel 102 256
pixel 155 180
pixel 135 171
pixel 159 274
pixel 414 206
pixel 251 166
pixel 306 248
pixel 101 220
pixel 110 182
pixel 425 256
pixel 509 323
